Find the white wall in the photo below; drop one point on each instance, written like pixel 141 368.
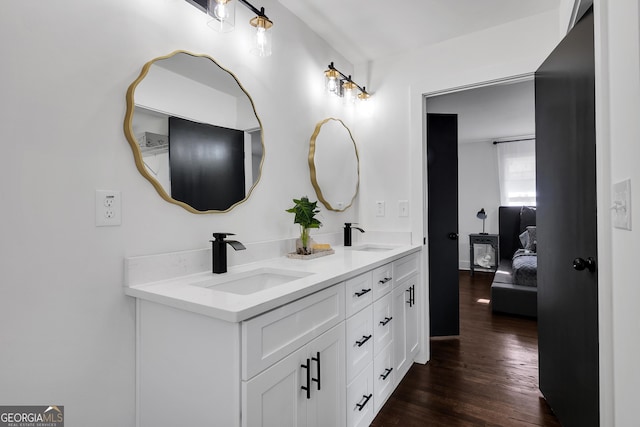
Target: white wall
pixel 478 188
pixel 66 327
pixel 618 132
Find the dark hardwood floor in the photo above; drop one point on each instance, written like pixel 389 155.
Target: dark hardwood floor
pixel 486 377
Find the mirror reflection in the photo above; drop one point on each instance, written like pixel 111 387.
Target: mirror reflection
pixel 194 132
pixel 334 164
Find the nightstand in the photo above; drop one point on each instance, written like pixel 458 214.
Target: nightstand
pixel 492 240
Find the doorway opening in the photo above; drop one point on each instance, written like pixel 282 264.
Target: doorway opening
pixel 497 111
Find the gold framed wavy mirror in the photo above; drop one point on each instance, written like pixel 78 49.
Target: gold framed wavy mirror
pixel 334 164
pixel 194 132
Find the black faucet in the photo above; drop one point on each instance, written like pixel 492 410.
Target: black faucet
pixel 220 251
pixel 347 232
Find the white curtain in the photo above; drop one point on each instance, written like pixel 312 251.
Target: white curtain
pixel 517 172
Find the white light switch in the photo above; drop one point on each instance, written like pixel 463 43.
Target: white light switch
pixel 403 208
pixel 380 208
pixel 621 209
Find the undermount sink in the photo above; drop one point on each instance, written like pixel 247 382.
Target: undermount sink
pixel 250 282
pixel 372 248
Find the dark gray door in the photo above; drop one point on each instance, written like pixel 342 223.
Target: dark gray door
pixel 566 218
pixel 442 188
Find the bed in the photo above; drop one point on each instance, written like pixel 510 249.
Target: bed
pixel 514 288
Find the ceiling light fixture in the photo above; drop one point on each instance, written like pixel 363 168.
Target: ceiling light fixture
pixel 342 85
pixel 223 12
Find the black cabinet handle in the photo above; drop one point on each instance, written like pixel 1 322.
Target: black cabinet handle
pixel 410 302
pixel 413 295
pixel 317 360
pixel 387 372
pixel 364 339
pixel 385 280
pixel 366 398
pixel 307 387
pixel 385 321
pixel 362 292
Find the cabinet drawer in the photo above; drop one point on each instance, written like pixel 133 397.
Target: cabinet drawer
pixel 405 267
pixel 359 342
pixel 383 376
pixel 273 335
pixel 359 292
pixel 360 399
pixel 382 281
pixel 382 323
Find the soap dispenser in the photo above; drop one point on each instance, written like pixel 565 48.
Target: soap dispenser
pixel 219 251
pixel 347 232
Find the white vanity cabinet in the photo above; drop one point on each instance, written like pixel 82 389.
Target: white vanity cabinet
pixel 331 357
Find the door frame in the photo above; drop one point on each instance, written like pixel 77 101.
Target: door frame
pixel 423 88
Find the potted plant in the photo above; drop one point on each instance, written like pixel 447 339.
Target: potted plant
pixel 305 212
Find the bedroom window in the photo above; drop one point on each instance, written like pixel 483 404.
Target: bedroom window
pixel 517 172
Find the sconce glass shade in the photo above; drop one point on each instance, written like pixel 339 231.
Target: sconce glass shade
pixel 223 14
pixel 262 40
pixel 332 81
pixel 350 90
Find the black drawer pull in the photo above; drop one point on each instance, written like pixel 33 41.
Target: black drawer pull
pixel 317 360
pixel 385 321
pixel 307 387
pixel 385 280
pixel 366 398
pixel 364 339
pixel 387 372
pixel 362 292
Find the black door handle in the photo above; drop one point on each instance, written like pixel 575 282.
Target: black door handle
pixel 580 264
pixel 453 236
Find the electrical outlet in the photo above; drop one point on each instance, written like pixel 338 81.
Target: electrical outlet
pixel 403 208
pixel 380 208
pixel 108 212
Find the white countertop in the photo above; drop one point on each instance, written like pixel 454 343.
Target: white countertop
pixel 180 292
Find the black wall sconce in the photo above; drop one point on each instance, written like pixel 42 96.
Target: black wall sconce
pixel 342 85
pixel 222 13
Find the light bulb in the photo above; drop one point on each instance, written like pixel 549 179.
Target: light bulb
pixel 261 38
pixel 221 12
pixel 332 85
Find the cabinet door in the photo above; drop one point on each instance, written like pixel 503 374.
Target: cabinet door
pixel 400 307
pixel 383 377
pixel 405 325
pixel 328 388
pixel 360 399
pixel 382 323
pixel 359 342
pixel 275 397
pixel 412 319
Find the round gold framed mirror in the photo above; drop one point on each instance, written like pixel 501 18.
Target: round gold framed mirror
pixel 194 132
pixel 334 164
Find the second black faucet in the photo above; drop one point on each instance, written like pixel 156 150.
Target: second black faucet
pixel 347 232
